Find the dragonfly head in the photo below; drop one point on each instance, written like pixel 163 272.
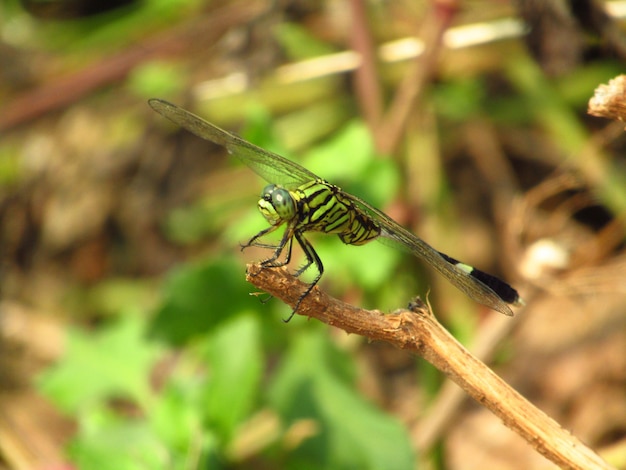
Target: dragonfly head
pixel 277 205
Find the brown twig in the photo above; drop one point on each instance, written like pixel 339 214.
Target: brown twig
pixel 414 83
pixel 419 331
pixel 443 410
pixel 366 80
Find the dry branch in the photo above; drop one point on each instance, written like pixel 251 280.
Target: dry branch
pixel 419 331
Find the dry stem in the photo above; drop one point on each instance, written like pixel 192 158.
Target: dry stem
pixel 419 331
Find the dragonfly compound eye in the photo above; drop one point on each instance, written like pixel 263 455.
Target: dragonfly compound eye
pixel 276 204
pixel 283 203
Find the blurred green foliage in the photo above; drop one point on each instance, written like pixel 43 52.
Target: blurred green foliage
pixel 191 382
pixel 9 167
pixel 237 358
pixel 89 35
pixel 156 78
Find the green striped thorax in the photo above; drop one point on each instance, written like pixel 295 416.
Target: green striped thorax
pixel 318 206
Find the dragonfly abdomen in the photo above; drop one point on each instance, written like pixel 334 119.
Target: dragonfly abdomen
pixel 501 288
pixel 322 208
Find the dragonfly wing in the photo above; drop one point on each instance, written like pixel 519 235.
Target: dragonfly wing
pixel 480 286
pixel 271 167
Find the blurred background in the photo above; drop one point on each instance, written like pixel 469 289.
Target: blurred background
pixel 128 335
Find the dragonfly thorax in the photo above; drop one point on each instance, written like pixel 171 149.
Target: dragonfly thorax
pixel 276 204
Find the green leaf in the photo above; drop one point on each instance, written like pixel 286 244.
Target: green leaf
pixel 176 416
pixel 310 353
pixel 459 100
pixel 157 78
pixel 114 362
pixel 114 295
pixel 344 156
pixel 110 442
pixel 235 360
pixel 351 432
pixel 359 435
pixel 379 183
pixel 10 168
pixel 199 297
pixel 298 43
pixel 349 266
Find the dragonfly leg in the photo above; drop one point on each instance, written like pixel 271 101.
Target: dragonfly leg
pixel 312 258
pixel 271 262
pixel 253 240
pixel 286 241
pixel 304 267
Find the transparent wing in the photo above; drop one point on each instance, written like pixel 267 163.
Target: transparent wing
pixel 271 167
pixel 478 285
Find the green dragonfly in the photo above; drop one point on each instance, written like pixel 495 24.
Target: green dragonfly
pixel 304 202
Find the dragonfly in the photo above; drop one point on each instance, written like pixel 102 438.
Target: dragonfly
pixel 303 202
